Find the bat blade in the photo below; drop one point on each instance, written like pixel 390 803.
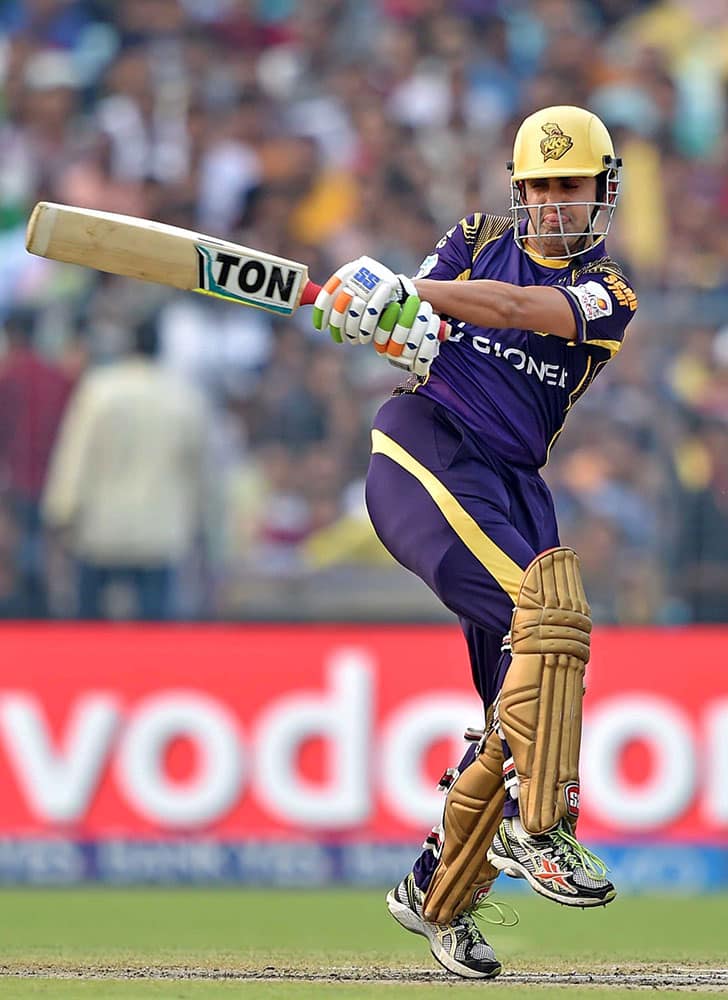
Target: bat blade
pixel 168 255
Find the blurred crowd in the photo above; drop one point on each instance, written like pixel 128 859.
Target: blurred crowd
pixel 167 455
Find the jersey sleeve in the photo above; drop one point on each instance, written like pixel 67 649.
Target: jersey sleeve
pixel 452 258
pixel 603 303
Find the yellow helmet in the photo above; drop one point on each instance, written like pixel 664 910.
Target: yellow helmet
pixel 564 141
pixel 561 142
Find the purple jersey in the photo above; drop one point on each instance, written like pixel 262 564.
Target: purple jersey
pixel 514 388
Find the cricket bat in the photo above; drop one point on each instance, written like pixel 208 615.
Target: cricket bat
pixel 168 255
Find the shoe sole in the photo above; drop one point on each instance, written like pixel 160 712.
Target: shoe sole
pixel 512 868
pixel 411 922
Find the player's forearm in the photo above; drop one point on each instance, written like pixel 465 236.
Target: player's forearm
pixel 500 305
pixel 481 302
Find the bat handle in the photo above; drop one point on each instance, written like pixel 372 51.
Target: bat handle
pixel 311 290
pixel 309 293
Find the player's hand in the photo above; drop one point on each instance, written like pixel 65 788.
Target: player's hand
pixel 408 335
pixel 351 302
pixel 364 301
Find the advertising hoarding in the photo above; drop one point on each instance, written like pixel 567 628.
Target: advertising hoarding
pixel 176 740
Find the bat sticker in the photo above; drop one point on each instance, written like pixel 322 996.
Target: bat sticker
pixel 254 282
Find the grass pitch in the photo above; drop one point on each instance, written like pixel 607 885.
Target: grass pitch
pixel 227 943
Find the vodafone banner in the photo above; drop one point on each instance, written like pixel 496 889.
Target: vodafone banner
pixel 142 749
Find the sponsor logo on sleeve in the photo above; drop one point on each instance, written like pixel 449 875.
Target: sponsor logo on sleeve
pixel 427 265
pixel 621 291
pixel 593 298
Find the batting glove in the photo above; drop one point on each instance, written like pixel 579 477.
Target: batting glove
pixel 351 302
pixel 408 335
pixel 364 301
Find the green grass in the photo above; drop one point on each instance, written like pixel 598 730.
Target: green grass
pixel 67 930
pixel 307 991
pixel 311 991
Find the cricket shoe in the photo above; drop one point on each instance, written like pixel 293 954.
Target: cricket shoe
pixel 458 946
pixel 554 864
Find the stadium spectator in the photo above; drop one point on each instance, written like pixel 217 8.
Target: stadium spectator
pixel 701 548
pixel 33 396
pixel 126 480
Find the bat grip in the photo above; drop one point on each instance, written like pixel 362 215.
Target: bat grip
pixel 311 290
pixel 309 293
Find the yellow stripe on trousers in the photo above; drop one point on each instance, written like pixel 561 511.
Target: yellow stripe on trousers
pixel 508 573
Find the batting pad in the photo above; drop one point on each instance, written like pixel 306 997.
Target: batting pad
pixel 473 811
pixel 540 706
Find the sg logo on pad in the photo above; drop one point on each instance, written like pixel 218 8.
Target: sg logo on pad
pixel 571 794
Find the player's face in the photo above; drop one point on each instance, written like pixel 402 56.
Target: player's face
pixel 551 227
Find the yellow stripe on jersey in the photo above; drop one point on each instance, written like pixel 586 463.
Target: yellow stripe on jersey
pixel 573 396
pixel 611 345
pixel 489 555
pixel 470 229
pixel 590 374
pixel 555 265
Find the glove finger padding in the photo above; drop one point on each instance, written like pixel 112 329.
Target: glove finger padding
pixel 385 325
pixel 379 301
pixel 328 295
pixel 339 312
pixel 422 323
pixel 414 341
pixel 410 326
pixel 429 348
pixel 351 329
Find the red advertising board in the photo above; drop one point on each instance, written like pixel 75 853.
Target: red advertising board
pixel 336 732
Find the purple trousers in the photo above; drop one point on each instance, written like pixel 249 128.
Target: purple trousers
pixel 463 520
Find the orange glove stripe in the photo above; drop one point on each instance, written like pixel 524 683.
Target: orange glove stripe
pixel 342 302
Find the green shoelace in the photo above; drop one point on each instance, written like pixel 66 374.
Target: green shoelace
pixel 496 912
pixel 589 861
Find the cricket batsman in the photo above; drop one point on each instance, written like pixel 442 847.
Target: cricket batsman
pixel 537 308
